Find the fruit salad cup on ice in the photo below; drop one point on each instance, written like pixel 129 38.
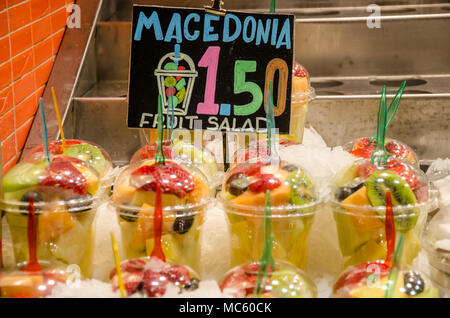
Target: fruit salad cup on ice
pixel 93 154
pixel 370 280
pixel 151 277
pixel 184 197
pixel 65 194
pixel 179 150
pixel 286 281
pixel 293 204
pixel 23 284
pixel 363 148
pixel 359 209
pixel 302 94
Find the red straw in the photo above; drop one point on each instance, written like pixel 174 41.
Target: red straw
pixel 157 226
pixel 389 227
pixel 33 264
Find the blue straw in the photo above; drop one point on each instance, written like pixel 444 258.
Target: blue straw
pixel 171 114
pixel 44 131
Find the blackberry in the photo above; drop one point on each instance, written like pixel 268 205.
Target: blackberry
pixel 414 284
pixel 182 224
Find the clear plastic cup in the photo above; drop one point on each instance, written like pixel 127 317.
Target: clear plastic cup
pixel 286 281
pixel 66 193
pixel 183 209
pixel 370 280
pixel 23 284
pixel 359 209
pixel 302 94
pixel 85 151
pixel 362 148
pixel 151 277
pixel 293 205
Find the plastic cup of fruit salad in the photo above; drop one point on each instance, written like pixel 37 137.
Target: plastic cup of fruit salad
pixel 293 205
pixel 362 148
pixel 370 280
pixel 65 193
pixel 85 151
pixel 286 281
pixel 151 277
pixel 38 284
pixel 359 209
pixel 302 94
pixel 185 152
pixel 185 195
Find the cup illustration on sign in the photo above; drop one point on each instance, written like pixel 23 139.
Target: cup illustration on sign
pixel 178 72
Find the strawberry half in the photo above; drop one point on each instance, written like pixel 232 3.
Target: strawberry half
pixel 149 151
pixel 398 150
pixel 404 172
pixel 299 71
pixel 61 173
pixel 154 283
pixel 263 182
pixel 131 266
pixel 362 148
pixel 177 274
pixel 171 177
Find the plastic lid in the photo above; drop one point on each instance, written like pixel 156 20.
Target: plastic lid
pixel 63 181
pixel 302 91
pixel 257 150
pixel 286 281
pixel 183 151
pixel 370 280
pixel 149 276
pixel 245 187
pixel 85 151
pixel 22 284
pixel 361 148
pixel 364 186
pixel 183 187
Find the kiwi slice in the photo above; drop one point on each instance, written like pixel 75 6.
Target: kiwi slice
pixel 301 188
pixel 382 181
pixel 87 153
pixel 23 176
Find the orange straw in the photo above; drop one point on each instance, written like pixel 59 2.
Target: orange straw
pixel 61 131
pixel 118 267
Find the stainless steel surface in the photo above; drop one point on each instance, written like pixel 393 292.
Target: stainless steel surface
pixel 347 61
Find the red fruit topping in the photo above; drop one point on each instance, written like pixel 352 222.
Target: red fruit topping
pixel 131 282
pixel 237 282
pixel 404 172
pixel 61 173
pixel 177 274
pixel 299 71
pixel 252 268
pixel 182 68
pixel 397 150
pixel 360 273
pixel 130 266
pixel 362 148
pixel 174 91
pixel 155 284
pixel 263 182
pixel 149 151
pixel 171 177
pixel 421 192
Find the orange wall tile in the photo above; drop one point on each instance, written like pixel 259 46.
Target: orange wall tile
pixel 30 35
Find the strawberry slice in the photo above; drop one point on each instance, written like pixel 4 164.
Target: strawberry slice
pixel 177 274
pixel 360 273
pixel 263 182
pixel 398 150
pixel 404 172
pixel 362 148
pixel 170 176
pixel 61 173
pixel 236 282
pixel 154 283
pixel 299 71
pixel 149 151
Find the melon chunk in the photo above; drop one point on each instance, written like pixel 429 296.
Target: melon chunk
pixel 363 219
pixel 278 196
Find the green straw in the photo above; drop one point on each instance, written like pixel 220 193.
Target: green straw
pixel 44 131
pixel 272 6
pixel 270 118
pixel 266 257
pixel 380 156
pixel 170 122
pixel 159 154
pixel 392 109
pixel 393 271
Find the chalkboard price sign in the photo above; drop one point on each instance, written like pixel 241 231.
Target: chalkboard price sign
pixel 210 68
